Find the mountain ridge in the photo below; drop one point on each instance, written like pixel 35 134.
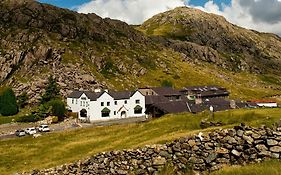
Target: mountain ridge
pixel 87 52
pixel 232 43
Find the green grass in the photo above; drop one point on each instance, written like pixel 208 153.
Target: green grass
pixel 24 154
pixel 272 167
pixel 9 119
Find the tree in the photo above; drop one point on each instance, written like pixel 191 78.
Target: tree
pixel 51 91
pixel 8 102
pixel 57 108
pixel 22 100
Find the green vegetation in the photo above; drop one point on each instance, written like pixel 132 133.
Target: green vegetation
pixel 8 102
pixel 77 144
pixel 52 90
pixel 169 30
pixel 166 83
pixel 272 167
pixel 57 108
pixel 22 100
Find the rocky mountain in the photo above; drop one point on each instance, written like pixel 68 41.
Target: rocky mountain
pixel 210 38
pixel 39 39
pixel 87 52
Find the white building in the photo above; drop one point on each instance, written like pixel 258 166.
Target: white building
pixel 266 103
pixel 102 106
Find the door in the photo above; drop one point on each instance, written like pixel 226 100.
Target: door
pixel 123 114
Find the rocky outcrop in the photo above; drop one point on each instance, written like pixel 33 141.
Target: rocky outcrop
pixel 210 38
pixel 205 152
pixel 39 40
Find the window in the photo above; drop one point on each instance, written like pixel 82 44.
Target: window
pixel 137 101
pixel 81 103
pixel 76 101
pixel 115 102
pixel 125 102
pixel 72 101
pixel 102 103
pixel 114 112
pixel 108 103
pixel 105 112
pixel 84 103
pixel 138 109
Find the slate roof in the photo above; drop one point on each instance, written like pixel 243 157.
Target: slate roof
pixel 184 106
pixel 75 94
pixel 165 91
pixel 152 99
pixel 172 106
pixel 206 91
pixel 121 95
pixel 93 96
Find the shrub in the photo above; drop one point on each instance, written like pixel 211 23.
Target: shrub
pixel 166 83
pixel 55 119
pixel 8 103
pixel 29 118
pixel 57 108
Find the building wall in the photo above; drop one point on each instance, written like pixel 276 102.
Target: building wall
pixel 76 105
pixel 147 91
pixel 268 105
pixel 94 108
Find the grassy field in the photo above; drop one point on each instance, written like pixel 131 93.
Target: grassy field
pixel 272 167
pixel 24 154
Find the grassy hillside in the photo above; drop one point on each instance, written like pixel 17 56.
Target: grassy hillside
pixel 25 154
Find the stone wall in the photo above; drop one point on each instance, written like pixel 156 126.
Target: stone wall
pixel 205 152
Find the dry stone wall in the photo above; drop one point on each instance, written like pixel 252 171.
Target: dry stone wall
pixel 203 153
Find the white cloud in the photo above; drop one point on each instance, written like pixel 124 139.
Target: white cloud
pixel 252 14
pixel 130 11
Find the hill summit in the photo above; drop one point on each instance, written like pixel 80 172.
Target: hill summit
pixel 208 37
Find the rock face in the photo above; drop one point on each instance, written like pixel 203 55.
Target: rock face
pixel 38 40
pixel 203 155
pixel 210 38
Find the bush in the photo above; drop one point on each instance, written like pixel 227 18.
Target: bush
pixel 8 103
pixel 29 118
pixel 57 108
pixel 55 119
pixel 166 83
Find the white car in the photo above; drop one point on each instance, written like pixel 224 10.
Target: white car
pixel 30 131
pixel 44 128
pixel 20 133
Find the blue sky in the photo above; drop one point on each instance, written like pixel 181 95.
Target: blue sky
pixel 65 3
pixel 73 3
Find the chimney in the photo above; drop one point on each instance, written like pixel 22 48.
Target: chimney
pixel 97 90
pixel 232 104
pixel 198 99
pixel 106 90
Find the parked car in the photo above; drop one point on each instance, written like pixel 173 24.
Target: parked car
pixel 44 128
pixel 20 133
pixel 30 131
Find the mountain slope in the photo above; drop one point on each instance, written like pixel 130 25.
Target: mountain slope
pixel 210 38
pixel 86 51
